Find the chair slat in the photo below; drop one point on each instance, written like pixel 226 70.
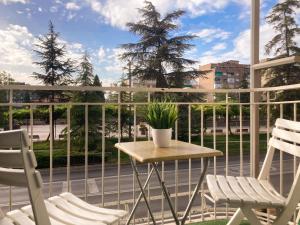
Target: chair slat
pixel 215 191
pixel 13 177
pixel 286 135
pixel 250 191
pixel 227 190
pixel 266 185
pixel 285 147
pixel 86 206
pixel 14 159
pixel 16 177
pixel 20 218
pixel 288 124
pixel 263 193
pixel 239 191
pixel 67 218
pixel 6 221
pixel 84 214
pixel 28 210
pixel 11 159
pixel 14 139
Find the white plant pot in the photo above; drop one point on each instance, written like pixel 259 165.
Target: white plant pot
pixel 161 137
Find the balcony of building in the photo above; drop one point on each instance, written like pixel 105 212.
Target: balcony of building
pixel 97 172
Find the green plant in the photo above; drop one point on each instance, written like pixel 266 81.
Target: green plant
pixel 161 115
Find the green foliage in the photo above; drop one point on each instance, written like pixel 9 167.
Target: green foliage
pixel 86 77
pixel 162 115
pixel 42 113
pixel 158 54
pixel 283 18
pixel 57 69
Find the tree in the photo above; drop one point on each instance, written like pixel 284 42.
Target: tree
pixel 5 79
pixel 244 97
pixel 282 17
pixel 99 96
pixel 159 54
pixel 86 78
pixel 57 70
pixel 283 43
pixel 283 21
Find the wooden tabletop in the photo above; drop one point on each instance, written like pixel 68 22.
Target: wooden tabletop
pixel 146 152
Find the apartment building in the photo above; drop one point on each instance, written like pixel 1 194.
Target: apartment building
pixel 229 74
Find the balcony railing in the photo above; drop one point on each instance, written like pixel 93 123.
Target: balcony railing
pixel 102 176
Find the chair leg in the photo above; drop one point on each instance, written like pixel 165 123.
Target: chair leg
pixel 236 218
pixel 250 215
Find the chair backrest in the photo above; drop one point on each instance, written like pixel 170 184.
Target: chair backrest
pixel 17 168
pixel 286 138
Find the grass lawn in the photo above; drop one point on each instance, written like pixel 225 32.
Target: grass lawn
pixel 217 222
pixel 77 155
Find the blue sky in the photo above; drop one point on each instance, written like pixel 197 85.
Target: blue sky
pixel 98 26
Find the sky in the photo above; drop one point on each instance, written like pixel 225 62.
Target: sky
pixel 99 27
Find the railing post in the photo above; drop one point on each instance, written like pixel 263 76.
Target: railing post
pixel 255 82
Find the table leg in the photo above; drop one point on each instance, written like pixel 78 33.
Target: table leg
pixel 142 194
pixel 166 193
pixel 189 206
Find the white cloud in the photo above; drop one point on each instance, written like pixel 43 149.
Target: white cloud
pixel 53 9
pixel 6 2
pixel 72 6
pixel 118 12
pixel 241 47
pixel 220 46
pixel 101 54
pixel 15 52
pixel 115 64
pixel 17 56
pixel 74 50
pixel 71 16
pixel 210 34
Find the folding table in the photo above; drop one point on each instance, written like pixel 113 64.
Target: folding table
pixel 146 152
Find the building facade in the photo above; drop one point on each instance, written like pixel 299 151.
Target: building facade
pixel 229 74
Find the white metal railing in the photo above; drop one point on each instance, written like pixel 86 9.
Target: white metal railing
pixel 181 188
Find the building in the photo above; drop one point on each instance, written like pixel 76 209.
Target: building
pixel 229 74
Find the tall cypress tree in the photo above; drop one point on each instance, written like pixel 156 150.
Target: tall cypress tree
pixel 158 53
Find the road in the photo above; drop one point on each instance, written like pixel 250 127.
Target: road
pixel 94 183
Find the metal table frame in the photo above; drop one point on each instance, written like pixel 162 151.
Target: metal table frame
pixel 142 194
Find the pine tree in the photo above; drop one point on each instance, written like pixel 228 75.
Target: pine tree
pixel 99 96
pixel 159 54
pixel 57 69
pixel 86 78
pixel 282 17
pixel 86 75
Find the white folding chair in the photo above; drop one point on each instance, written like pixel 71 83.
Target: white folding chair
pixel 17 168
pixel 248 193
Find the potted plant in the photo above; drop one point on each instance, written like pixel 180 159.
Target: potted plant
pixel 161 116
